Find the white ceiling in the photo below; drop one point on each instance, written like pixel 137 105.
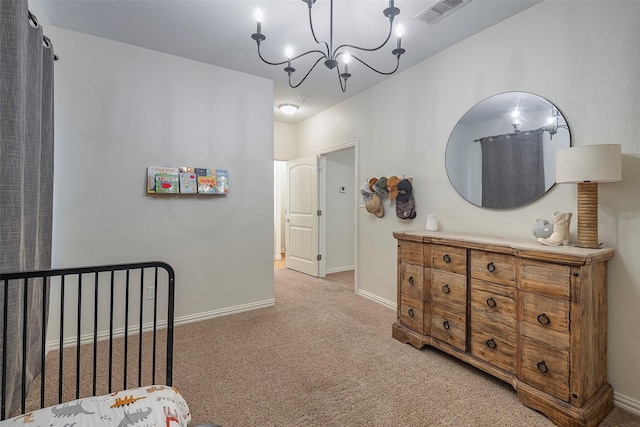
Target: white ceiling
pixel 219 32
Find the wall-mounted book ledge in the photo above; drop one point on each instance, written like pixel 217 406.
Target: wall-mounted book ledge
pixel 187 180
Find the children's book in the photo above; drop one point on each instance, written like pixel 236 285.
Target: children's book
pixel 152 171
pixel 166 183
pixel 207 182
pixel 188 183
pixel 222 178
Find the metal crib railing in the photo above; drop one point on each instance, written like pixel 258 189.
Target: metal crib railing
pixel 126 284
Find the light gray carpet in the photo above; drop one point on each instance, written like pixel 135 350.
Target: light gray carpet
pixel 324 356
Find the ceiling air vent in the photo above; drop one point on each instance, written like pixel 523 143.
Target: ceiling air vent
pixel 439 10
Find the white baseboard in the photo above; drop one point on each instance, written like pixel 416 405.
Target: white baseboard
pixel 103 336
pixel 626 403
pixel 340 269
pixel 161 324
pixel 183 320
pixel 377 299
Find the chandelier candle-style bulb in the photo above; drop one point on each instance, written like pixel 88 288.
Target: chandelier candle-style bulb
pixel 259 17
pixel 399 31
pixel 328 53
pixel 345 74
pixel 258 36
pixel 288 52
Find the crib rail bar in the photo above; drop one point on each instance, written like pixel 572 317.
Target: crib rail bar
pixel 31 281
pixel 5 328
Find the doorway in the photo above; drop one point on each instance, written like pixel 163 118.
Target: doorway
pixel 338 200
pixel 279 182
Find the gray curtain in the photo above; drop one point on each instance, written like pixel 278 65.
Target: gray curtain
pixel 26 180
pixel 512 170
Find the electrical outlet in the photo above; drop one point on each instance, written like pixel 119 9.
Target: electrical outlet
pixel 151 292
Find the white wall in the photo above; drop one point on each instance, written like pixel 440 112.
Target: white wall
pixel 119 109
pixel 580 56
pixel 340 210
pixel 284 137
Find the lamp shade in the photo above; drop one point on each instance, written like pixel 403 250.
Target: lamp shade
pixel 589 163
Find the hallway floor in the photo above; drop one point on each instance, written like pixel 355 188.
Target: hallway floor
pixel 279 263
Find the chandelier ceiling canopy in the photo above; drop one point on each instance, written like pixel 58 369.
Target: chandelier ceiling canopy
pixel 333 57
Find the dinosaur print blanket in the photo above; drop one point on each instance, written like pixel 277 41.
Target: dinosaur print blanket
pixel 153 406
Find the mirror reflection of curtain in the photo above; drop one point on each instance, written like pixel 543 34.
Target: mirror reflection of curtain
pixel 512 170
pixel 26 186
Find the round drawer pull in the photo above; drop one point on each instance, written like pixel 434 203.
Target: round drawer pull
pixel 446 325
pixel 542 367
pixel 446 289
pixel 491 302
pixel 543 319
pixel 446 258
pixel 410 312
pixel 411 280
pixel 491 343
pixel 491 267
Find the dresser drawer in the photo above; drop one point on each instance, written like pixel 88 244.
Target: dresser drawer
pixel 546 368
pixel 545 278
pixel 545 319
pixel 493 308
pixel 448 290
pixel 412 281
pixel 449 327
pixel 499 350
pixel 414 314
pixel 449 258
pixel 414 253
pixel 497 268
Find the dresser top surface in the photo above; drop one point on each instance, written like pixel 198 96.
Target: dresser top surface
pixel 519 247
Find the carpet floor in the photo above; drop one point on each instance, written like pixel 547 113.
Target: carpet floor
pixel 324 356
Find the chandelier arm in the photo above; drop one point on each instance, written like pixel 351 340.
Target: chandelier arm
pixel 344 88
pixel 313 33
pixel 373 69
pixel 364 48
pixel 306 75
pixel 268 62
pixel 323 55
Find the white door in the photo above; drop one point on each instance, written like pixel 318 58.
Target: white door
pixel 301 218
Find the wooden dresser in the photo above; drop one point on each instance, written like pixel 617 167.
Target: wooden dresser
pixel 532 315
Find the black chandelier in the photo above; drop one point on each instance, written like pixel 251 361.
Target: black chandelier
pixel 331 55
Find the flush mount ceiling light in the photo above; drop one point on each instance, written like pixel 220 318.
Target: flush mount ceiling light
pixel 328 53
pixel 288 109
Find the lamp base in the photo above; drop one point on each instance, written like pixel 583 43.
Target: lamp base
pixel 588 215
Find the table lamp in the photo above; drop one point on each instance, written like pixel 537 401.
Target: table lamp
pixel 587 166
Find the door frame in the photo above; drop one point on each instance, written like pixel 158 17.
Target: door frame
pixel 322 205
